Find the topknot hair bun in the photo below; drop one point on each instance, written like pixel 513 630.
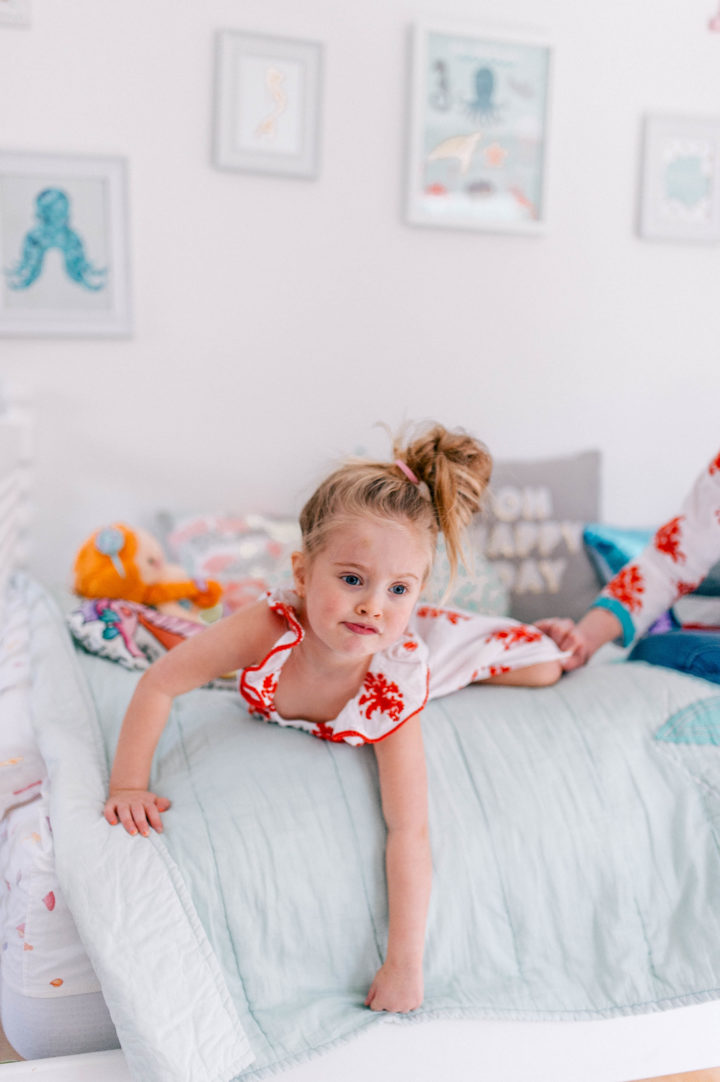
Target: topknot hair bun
pixel 456 468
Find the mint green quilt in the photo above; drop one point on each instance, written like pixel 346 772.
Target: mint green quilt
pixel 576 862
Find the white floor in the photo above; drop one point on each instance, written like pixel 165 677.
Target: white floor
pixel 619 1050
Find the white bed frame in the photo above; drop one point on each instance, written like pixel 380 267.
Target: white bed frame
pixel 617 1050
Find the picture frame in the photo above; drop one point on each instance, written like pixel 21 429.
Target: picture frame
pixel 267 104
pixel 15 13
pixel 478 138
pixel 680 185
pixel 64 266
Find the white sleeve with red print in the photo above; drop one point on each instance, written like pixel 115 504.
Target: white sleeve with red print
pixel 674 563
pixel 465 647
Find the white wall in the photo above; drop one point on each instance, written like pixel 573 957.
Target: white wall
pixel 277 320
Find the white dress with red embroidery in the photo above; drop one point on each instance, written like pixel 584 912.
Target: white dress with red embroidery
pixel 674 563
pixel 443 650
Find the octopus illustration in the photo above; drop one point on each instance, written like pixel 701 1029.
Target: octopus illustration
pixel 274 79
pixel 482 107
pixel 53 230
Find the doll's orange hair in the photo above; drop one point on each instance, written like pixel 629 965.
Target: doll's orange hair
pixel 95 575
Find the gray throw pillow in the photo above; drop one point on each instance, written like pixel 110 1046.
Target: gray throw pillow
pixel 532 531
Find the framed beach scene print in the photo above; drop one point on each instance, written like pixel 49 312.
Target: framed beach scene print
pixel 267 104
pixel 680 191
pixel 478 129
pixel 63 245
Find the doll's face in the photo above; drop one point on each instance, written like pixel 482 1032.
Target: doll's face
pixel 151 563
pixel 149 557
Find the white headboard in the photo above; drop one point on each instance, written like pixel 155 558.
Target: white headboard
pixel 15 462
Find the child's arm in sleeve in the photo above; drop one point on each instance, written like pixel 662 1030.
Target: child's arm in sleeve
pixel 673 563
pixel 398 984
pixel 234 642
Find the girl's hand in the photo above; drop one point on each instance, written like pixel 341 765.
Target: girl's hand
pixel 136 809
pixel 567 635
pixel 396 988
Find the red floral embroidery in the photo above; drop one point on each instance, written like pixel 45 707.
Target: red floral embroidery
pixel 627 588
pixel 453 617
pixel 496 670
pixel 410 645
pixel 685 587
pixel 324 731
pixel 512 636
pixel 381 694
pixel 667 540
pixel 714 466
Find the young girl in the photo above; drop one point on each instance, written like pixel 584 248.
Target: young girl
pixel 348 655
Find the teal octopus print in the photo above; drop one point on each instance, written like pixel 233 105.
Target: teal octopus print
pixel 54 230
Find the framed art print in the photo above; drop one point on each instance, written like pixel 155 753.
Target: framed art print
pixel 478 129
pixel 680 191
pixel 267 104
pixel 14 12
pixel 63 245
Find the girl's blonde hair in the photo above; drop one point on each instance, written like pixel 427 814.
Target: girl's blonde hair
pixel 452 471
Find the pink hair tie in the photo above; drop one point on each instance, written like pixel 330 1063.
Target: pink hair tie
pixel 407 471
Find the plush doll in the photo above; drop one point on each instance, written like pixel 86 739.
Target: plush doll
pixel 119 562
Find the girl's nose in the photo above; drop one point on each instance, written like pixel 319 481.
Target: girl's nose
pixel 368 606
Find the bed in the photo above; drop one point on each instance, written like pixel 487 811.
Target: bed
pixel 573 929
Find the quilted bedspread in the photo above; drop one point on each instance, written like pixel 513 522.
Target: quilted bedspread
pixel 575 849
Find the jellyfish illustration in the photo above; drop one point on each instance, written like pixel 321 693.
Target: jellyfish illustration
pixel 482 107
pixel 52 211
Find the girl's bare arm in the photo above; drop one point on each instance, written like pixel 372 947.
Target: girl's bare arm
pixel 234 642
pixel 398 984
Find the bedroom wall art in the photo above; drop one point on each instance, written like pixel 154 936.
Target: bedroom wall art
pixel 14 12
pixel 63 245
pixel 680 189
pixel 267 104
pixel 478 129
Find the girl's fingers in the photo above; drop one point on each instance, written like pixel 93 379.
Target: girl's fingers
pixel 126 818
pixel 140 818
pixel 137 816
pixel 154 819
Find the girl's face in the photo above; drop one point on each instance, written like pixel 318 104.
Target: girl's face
pixel 360 588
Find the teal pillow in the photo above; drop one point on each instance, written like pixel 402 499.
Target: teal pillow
pixel 610 547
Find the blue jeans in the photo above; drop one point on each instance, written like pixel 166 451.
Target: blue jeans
pixel 695 652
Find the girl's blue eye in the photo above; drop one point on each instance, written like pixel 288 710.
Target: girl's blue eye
pixel 351 580
pixel 398 589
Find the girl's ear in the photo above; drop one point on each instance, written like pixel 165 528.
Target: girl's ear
pixel 299 570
